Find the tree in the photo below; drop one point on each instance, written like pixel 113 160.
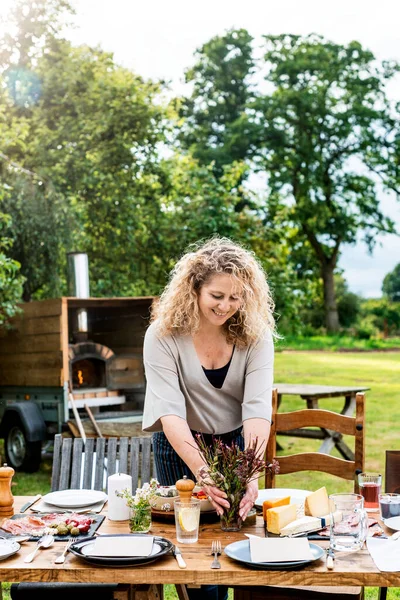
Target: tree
pixel 10 279
pixel 320 129
pixel 391 284
pixel 77 135
pixel 327 114
pixel 213 114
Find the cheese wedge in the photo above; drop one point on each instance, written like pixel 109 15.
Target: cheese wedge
pixel 317 503
pixel 305 524
pixel 273 503
pixel 301 525
pixel 280 516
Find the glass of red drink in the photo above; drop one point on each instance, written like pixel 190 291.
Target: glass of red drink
pixel 370 488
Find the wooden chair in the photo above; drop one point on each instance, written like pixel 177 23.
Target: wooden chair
pixel 79 466
pixel 313 461
pixel 88 466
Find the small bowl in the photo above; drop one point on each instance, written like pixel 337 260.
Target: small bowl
pixel 160 502
pixel 205 504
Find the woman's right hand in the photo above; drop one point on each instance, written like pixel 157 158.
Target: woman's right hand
pixel 217 497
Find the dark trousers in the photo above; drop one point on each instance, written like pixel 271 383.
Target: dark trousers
pixel 170 467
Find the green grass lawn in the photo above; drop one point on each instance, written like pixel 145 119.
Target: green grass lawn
pixel 376 370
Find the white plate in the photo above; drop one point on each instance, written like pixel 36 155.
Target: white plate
pixel 393 523
pixel 74 498
pixel 8 548
pixel 296 496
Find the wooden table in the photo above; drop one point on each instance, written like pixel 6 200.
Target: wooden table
pixel 350 569
pixel 312 394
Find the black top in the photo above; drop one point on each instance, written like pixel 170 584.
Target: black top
pixel 217 376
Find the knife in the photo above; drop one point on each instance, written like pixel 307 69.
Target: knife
pixel 178 556
pixel 30 503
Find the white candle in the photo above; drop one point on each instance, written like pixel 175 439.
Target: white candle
pixel 117 507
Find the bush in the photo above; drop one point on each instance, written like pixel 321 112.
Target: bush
pixel 365 329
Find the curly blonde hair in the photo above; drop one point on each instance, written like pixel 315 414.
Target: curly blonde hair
pixel 177 310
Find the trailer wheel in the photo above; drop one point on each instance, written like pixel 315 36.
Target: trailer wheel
pixel 21 454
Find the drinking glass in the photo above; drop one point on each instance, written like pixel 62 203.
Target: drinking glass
pixel 390 505
pixel 350 533
pixel 370 488
pixel 187 519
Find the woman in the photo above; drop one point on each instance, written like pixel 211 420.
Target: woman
pixel 208 357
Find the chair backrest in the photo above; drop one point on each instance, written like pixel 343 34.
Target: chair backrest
pixel 316 461
pixel 77 465
pixel 392 471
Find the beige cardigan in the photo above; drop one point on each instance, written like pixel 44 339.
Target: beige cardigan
pixel 177 385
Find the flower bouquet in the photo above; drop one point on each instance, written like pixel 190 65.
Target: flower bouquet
pixel 231 469
pixel 140 506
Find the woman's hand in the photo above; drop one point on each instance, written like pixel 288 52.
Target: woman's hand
pixel 248 499
pixel 217 497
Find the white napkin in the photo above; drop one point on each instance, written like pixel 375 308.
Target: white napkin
pixel 385 553
pixel 122 546
pixel 50 508
pixel 279 549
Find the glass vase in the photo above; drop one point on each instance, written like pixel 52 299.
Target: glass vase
pixel 230 520
pixel 140 519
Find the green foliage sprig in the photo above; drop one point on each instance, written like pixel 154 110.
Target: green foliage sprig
pixel 231 469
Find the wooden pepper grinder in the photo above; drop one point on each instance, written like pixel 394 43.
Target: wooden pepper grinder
pixel 185 488
pixel 6 497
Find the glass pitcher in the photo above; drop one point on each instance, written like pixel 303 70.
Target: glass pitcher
pixel 350 530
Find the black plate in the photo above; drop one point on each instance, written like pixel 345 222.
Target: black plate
pixel 240 551
pixel 97 521
pixel 161 545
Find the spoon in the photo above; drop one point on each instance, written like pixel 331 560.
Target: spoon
pixel 44 542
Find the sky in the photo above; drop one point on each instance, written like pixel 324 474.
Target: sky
pixel 157 39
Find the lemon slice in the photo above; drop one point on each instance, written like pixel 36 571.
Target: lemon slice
pixel 188 519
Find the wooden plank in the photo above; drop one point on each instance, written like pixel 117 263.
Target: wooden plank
pixel 123 455
pixel 99 469
pixel 65 375
pixel 359 448
pixel 41 308
pixel 111 456
pixel 38 325
pixel 314 461
pixel 17 344
pixel 271 446
pixel 56 470
pixel 316 390
pixel 65 471
pixel 88 467
pixel 29 377
pixel 146 460
pixel 135 455
pixel 315 418
pixel 39 360
pixel 117 302
pixel 76 468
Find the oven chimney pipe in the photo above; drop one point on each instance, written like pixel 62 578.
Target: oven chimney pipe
pixel 78 284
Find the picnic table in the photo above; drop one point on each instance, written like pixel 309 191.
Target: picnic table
pixel 312 394
pixel 351 569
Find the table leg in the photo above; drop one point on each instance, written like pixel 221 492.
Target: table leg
pixel 382 594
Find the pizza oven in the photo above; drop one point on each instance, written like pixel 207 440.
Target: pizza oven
pixel 103 369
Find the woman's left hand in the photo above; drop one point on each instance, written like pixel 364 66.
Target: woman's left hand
pixel 248 499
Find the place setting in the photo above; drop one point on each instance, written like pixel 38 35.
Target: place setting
pixel 62 514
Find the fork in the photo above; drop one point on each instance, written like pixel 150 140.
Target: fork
pixel 216 550
pixel 61 559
